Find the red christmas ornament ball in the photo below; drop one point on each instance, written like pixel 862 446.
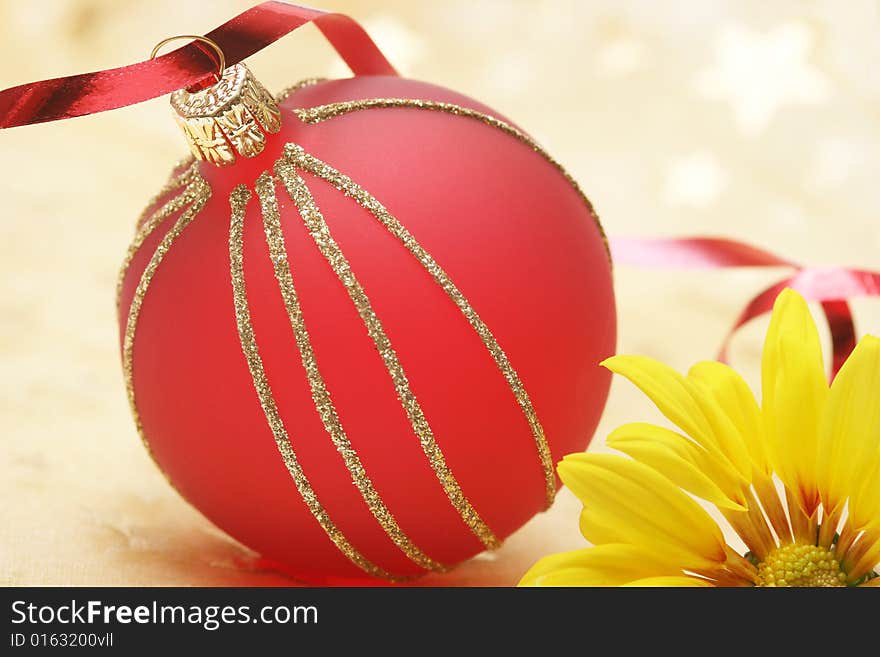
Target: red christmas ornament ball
pixel 381 407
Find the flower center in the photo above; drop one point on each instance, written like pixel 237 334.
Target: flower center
pixel 800 565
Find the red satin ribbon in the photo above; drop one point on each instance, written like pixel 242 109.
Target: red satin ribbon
pixel 262 25
pixel 830 286
pixel 241 37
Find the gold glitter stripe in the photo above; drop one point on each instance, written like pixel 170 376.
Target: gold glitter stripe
pixel 183 178
pixel 341 182
pixel 320 395
pixel 201 194
pixel 299 158
pixel 331 251
pixel 152 223
pixel 238 200
pixel 324 112
pixel 292 89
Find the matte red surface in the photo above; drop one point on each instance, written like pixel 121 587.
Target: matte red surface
pixel 510 231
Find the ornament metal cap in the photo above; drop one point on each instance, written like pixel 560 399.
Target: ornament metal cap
pixel 229 118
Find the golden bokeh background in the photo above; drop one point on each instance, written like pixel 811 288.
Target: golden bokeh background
pixel 744 118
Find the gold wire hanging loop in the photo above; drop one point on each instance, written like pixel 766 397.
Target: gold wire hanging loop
pixel 220 59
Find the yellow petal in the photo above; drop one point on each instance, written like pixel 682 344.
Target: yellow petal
pixel 864 505
pixel 666 388
pixel 670 581
pixel 600 528
pixel 632 503
pixel 733 395
pixel 713 465
pixel 672 456
pixel 604 565
pixel 849 436
pixel 727 434
pixel 686 404
pixel 794 392
pixel 868 561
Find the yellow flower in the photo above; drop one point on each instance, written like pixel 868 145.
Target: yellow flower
pixel 798 478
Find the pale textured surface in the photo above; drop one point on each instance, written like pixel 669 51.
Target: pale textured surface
pixel 748 119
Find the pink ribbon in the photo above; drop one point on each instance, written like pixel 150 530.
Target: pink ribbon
pixel 830 286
